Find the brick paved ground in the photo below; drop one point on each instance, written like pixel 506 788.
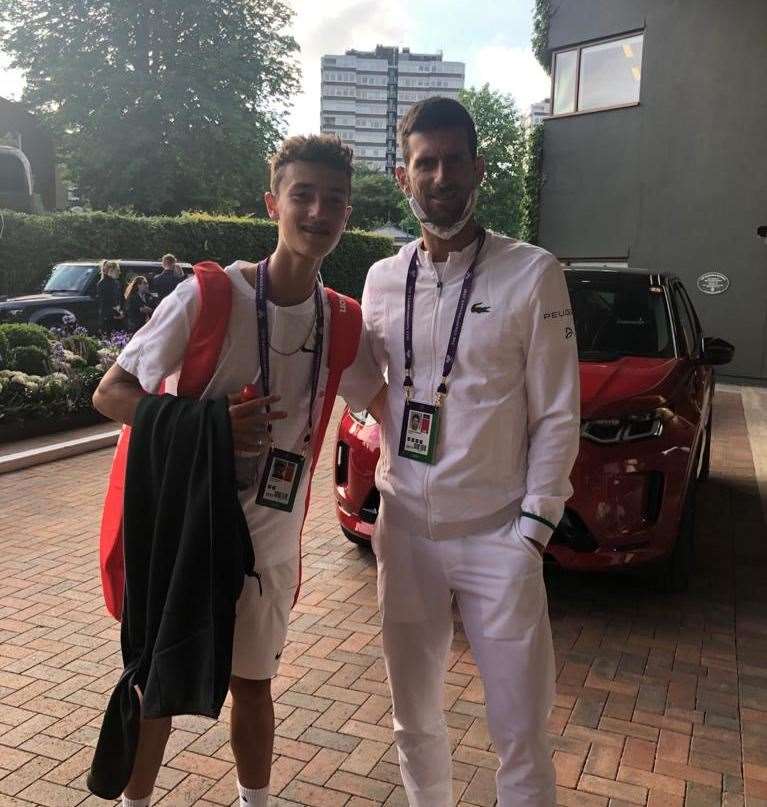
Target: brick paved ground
pixel 662 700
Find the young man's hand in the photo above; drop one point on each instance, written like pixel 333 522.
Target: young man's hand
pixel 249 422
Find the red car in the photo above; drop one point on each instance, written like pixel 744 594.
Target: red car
pixel 647 389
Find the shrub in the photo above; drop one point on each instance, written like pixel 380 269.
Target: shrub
pixel 5 350
pixel 84 346
pixel 30 359
pixel 26 335
pixel 33 244
pixel 26 397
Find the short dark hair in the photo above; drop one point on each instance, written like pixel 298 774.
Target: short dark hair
pixel 325 149
pixel 433 113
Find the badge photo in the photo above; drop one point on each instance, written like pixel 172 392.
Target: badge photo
pixel 282 476
pixel 420 427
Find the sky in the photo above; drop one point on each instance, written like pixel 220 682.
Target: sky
pixel 491 37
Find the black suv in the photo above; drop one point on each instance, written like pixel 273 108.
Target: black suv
pixel 71 289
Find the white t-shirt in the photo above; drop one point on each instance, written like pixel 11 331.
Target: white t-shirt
pixel 156 352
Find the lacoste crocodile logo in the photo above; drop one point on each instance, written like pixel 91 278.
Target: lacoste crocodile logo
pixel 480 308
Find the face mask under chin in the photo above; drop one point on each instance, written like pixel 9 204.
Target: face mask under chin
pixel 448 231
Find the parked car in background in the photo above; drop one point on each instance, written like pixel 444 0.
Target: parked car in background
pixel 647 389
pixel 71 290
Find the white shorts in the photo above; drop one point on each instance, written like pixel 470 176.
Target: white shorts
pixel 261 626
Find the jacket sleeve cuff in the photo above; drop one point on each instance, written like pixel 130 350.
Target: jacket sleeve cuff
pixel 535 527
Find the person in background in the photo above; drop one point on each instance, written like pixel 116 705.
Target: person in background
pixel 171 275
pixel 109 295
pixel 138 306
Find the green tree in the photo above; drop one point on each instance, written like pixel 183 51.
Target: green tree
pixel 158 105
pixel 375 199
pixel 502 141
pixel 533 184
pixel 540 37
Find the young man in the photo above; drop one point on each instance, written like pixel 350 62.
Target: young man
pixel 474 331
pixel 162 284
pixel 309 198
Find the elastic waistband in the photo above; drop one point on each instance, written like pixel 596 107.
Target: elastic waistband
pixel 441 531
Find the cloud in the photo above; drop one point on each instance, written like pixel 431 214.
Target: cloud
pixel 336 26
pixel 512 70
pixel 11 81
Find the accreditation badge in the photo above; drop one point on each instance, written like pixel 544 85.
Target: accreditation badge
pixel 420 427
pixel 282 476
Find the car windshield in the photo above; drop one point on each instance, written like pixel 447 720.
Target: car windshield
pixel 70 277
pixel 618 315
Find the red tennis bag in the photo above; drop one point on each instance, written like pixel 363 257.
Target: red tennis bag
pixel 200 360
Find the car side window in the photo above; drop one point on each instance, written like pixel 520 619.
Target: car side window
pixel 685 321
pixel 693 314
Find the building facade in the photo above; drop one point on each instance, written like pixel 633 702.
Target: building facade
pixel 366 93
pixel 539 111
pixel 27 161
pixel 655 152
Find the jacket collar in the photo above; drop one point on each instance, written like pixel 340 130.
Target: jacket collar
pixel 457 262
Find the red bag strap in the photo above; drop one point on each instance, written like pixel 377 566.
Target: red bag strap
pixel 345 329
pixel 209 329
pixel 200 359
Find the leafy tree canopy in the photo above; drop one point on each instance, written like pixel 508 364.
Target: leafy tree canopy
pixel 158 105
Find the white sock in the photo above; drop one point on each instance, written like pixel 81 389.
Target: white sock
pixel 137 802
pixel 253 797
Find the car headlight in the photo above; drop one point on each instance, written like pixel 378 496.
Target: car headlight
pixel 12 313
pixel 626 428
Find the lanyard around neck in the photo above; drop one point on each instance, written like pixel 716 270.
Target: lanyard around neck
pixel 262 320
pixel 455 331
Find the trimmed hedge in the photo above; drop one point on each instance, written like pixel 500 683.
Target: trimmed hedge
pixel 32 244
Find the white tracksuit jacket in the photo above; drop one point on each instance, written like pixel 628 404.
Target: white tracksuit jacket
pixel 510 423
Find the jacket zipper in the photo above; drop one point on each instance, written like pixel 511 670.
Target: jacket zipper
pixel 432 386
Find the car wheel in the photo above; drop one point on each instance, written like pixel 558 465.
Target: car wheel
pixel 51 322
pixel 356 539
pixel 675 573
pixel 705 460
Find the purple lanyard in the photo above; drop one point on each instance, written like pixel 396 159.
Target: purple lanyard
pixel 262 320
pixel 455 332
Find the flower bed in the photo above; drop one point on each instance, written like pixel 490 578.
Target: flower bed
pixel 49 378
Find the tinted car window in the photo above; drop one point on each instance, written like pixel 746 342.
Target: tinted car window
pixel 616 315
pixel 70 277
pixel 693 315
pixel 685 320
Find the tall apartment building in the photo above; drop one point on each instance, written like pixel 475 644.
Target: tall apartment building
pixel 539 111
pixel 366 93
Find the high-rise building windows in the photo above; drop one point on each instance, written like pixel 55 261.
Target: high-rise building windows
pixel 364 95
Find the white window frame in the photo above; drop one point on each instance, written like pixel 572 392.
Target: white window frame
pixel 579 51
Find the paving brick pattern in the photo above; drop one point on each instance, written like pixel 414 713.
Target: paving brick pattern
pixel 662 700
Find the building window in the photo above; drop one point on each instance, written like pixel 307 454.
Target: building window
pixel 598 76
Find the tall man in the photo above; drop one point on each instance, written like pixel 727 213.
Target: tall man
pixel 278 339
pixel 479 433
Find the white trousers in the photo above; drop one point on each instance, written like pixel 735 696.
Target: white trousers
pixel 496 580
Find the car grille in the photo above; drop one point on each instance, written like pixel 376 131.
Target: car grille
pixel 654 496
pixel 573 533
pixel 369 510
pixel 342 463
